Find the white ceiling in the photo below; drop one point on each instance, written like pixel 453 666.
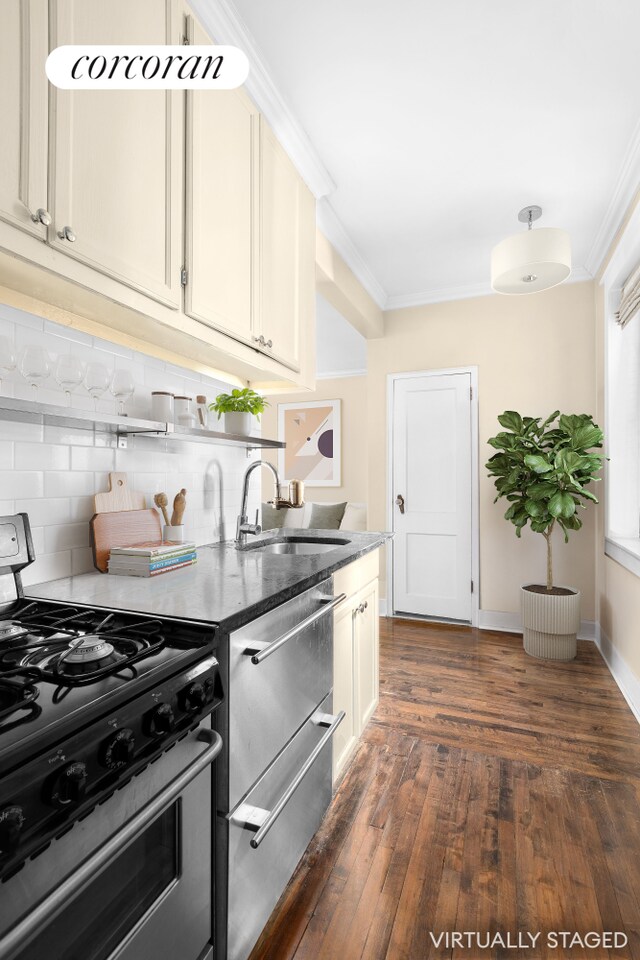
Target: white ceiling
pixel 438 121
pixel 340 350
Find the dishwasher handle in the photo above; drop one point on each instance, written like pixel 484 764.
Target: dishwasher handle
pixel 260 821
pixel 258 654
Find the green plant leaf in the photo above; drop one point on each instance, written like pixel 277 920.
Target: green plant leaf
pixel 562 505
pixel 511 420
pixel 537 464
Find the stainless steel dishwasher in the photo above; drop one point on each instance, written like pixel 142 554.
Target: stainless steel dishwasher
pixel 276 786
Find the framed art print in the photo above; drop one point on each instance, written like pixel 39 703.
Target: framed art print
pixel 311 431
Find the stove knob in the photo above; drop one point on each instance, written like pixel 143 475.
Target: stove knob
pixel 161 720
pixel 73 783
pixel 11 820
pixel 118 750
pixel 68 786
pixel 194 697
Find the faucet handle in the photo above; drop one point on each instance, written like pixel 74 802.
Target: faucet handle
pixel 258 526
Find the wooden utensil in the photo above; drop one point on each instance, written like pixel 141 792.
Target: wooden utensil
pixel 179 505
pixel 122 528
pixel 119 497
pixel 161 501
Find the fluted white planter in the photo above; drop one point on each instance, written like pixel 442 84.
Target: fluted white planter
pixel 550 623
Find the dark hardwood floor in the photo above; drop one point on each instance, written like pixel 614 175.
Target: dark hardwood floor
pixel 491 792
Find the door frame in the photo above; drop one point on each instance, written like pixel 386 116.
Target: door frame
pixel 475 467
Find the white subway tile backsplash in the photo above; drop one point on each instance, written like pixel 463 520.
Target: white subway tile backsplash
pixel 15 430
pixel 66 536
pixel 44 513
pixel 68 333
pixel 41 456
pixel 81 508
pixel 21 483
pixel 6 455
pixel 90 458
pixel 69 484
pixel 53 473
pixel 48 566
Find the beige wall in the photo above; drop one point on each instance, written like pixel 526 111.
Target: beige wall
pixel 352 391
pixel 533 354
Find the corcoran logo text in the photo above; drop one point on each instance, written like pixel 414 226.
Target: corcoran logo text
pixel 100 67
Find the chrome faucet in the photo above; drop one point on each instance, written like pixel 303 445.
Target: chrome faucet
pixel 295 500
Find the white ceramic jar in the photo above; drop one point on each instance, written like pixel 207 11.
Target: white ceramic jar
pixel 162 406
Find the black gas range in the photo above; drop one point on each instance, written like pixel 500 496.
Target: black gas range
pixel 89 698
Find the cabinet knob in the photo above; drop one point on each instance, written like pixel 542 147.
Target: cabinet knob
pixel 67 234
pixel 41 216
pixel 269 344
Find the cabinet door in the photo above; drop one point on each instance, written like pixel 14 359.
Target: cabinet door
pixel 221 213
pixel 283 222
pixel 23 112
pixel 117 158
pixel 367 632
pixel 343 690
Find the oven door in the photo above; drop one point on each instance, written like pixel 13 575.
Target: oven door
pixel 130 882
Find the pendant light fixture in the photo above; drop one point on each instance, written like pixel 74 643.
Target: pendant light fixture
pixel 532 260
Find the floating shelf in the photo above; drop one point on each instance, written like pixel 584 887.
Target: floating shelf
pixel 48 414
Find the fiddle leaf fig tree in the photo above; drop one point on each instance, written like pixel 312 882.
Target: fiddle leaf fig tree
pixel 543 468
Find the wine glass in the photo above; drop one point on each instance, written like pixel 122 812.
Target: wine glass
pixel 96 380
pixel 122 387
pixel 68 373
pixel 35 366
pixel 7 357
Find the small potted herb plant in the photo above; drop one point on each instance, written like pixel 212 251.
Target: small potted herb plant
pixel 239 408
pixel 544 469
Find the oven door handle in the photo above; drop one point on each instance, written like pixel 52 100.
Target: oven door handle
pixel 258 654
pixel 19 936
pixel 260 821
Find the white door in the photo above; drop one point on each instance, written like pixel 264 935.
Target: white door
pixel 432 476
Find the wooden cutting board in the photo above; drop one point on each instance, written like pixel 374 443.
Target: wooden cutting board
pixel 121 528
pixel 119 497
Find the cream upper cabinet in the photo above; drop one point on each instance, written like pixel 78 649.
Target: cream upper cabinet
pixel 286 217
pixel 116 167
pixel 222 198
pixel 23 114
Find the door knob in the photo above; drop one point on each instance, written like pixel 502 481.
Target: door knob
pixel 41 216
pixel 67 234
pixel 400 502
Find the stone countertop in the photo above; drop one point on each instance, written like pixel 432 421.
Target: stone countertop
pixel 227 586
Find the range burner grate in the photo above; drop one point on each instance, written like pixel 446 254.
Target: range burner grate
pixel 73 647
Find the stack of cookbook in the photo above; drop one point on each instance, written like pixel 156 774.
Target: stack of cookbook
pixel 151 558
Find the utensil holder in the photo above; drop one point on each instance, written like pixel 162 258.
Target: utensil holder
pixel 173 534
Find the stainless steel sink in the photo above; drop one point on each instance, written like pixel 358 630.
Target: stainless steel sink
pixel 299 545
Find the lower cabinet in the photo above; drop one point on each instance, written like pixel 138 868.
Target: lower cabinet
pixel 355 655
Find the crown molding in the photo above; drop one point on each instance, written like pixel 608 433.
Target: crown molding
pixel 222 21
pixel 330 225
pixel 625 190
pixel 462 291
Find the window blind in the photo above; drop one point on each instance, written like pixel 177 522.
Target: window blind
pixel 630 300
